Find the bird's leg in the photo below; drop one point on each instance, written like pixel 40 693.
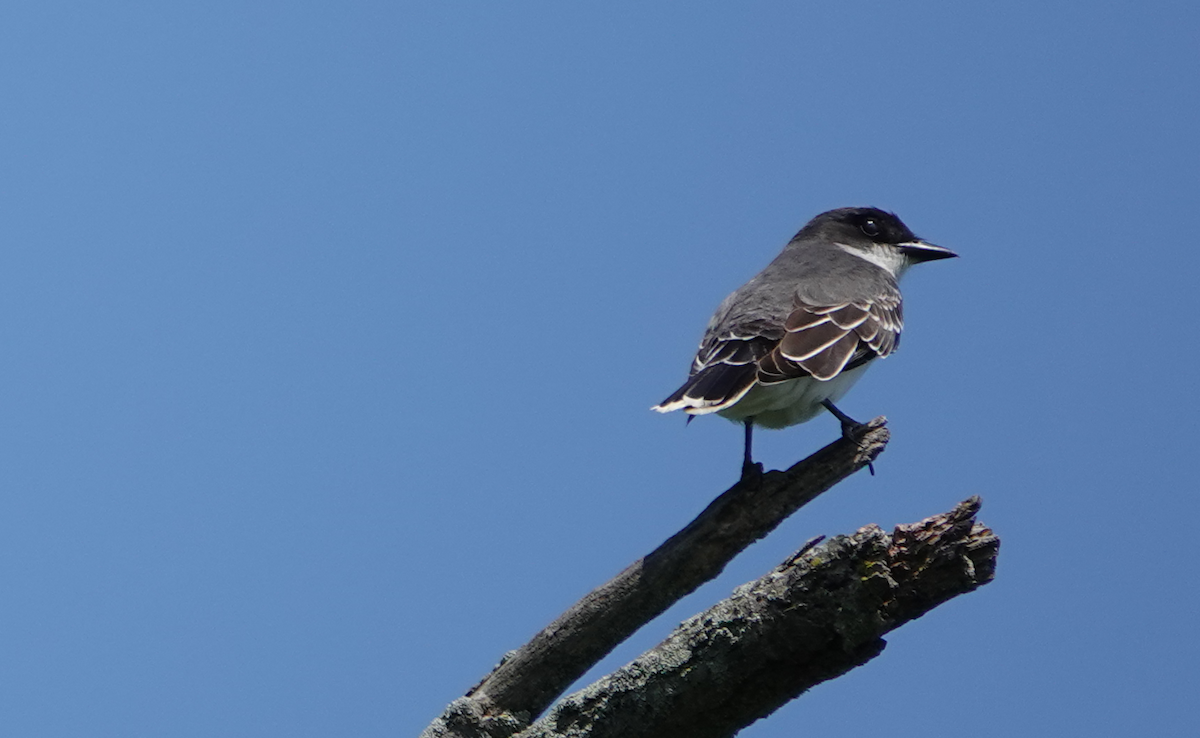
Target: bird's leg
pixel 850 426
pixel 750 470
pixel 746 456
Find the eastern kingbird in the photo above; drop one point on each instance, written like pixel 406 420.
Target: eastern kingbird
pixel 793 339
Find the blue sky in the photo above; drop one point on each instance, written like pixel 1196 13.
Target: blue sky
pixel 328 334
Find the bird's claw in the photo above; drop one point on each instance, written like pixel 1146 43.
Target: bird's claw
pixel 752 473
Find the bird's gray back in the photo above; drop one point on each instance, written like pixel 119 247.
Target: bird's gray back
pixel 760 307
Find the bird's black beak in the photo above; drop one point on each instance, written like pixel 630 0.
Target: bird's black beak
pixel 919 250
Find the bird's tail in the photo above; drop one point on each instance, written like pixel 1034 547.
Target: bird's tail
pixel 713 388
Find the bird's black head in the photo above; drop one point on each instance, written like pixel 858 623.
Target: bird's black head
pixel 859 224
pixel 868 228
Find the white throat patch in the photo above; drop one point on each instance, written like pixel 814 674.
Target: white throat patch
pixel 883 256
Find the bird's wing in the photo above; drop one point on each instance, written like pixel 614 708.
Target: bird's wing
pixel 822 341
pixel 819 341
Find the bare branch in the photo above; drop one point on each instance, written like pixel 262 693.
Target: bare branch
pixel 816 616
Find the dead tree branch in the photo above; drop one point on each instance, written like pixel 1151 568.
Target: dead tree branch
pixel 819 614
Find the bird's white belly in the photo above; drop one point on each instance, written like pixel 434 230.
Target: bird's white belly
pixel 791 402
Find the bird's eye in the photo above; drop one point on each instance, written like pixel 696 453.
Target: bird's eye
pixel 870 227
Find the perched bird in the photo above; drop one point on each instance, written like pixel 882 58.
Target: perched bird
pixel 792 340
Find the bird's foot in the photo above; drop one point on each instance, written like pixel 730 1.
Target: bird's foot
pixel 752 473
pixel 852 430
pixel 849 424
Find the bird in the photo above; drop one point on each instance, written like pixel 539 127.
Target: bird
pixel 793 340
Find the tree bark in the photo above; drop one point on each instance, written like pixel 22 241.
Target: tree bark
pixel 526 682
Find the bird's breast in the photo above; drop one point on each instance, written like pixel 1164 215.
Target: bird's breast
pixel 791 402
